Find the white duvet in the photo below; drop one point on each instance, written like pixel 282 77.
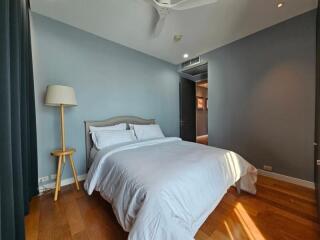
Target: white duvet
pixel 164 189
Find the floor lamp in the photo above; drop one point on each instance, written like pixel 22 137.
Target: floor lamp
pixel 62 96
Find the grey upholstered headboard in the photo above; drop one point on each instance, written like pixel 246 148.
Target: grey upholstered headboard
pixel 109 122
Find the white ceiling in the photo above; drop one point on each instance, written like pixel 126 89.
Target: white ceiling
pixel 129 22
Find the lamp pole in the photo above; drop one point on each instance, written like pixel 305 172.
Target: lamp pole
pixel 63 145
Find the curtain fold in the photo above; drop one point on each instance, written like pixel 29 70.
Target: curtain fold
pixel 18 146
pixel 317 114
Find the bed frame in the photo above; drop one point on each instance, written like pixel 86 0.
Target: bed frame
pixel 109 122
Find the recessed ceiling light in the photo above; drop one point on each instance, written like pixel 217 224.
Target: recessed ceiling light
pixel 280 4
pixel 186 55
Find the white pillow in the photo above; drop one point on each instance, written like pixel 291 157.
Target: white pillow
pixel 109 138
pixel 120 126
pixel 144 132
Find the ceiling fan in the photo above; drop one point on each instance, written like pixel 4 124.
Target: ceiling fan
pixel 164 7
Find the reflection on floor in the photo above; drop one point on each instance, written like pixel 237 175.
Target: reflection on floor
pixel 202 139
pixel 279 211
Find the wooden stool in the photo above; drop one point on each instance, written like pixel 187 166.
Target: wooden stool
pixel 60 154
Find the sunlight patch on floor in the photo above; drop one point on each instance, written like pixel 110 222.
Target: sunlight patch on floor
pixel 249 226
pixel 228 230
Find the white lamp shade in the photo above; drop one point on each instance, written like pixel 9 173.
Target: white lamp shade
pixel 60 95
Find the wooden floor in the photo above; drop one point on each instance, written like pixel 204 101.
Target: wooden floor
pixel 202 139
pixel 278 211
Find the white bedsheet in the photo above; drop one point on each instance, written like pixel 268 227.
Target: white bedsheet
pixel 164 189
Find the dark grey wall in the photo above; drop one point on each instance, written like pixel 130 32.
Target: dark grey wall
pixel 109 80
pixel 202 115
pixel 262 97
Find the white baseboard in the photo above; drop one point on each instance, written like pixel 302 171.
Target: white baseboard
pixel 281 177
pixel 278 176
pixel 64 182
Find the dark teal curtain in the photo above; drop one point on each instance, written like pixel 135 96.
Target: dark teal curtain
pixel 317 122
pixel 18 146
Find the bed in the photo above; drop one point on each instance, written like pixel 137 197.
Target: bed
pixel 163 189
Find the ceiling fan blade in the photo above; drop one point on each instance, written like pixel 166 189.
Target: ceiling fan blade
pixel 187 4
pixel 159 26
pixel 161 14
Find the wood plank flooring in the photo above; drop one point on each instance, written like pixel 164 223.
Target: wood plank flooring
pixel 279 211
pixel 202 139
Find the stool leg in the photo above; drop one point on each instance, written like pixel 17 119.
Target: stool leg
pixel 58 180
pixel 63 164
pixel 74 172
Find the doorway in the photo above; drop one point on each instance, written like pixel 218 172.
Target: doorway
pixel 194 104
pixel 202 112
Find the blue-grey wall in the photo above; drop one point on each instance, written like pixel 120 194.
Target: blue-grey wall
pixel 262 97
pixel 109 80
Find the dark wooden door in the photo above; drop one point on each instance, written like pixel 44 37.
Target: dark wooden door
pixel 317 123
pixel 187 110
